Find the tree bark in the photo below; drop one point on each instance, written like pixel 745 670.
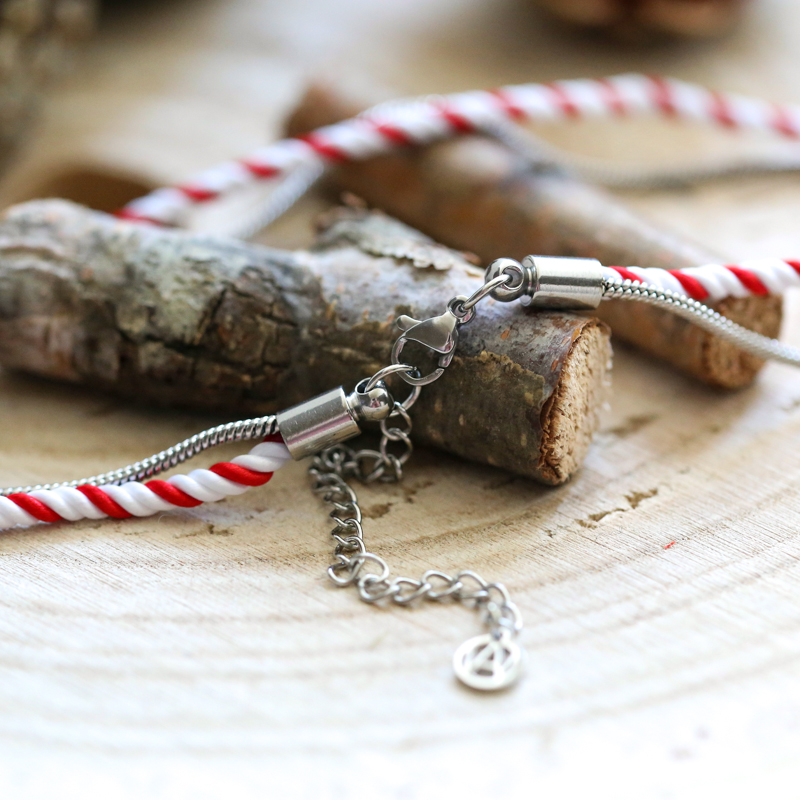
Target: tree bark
pixel 182 319
pixel 474 194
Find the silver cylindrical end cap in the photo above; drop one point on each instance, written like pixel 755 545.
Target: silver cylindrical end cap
pixel 331 418
pixel 569 283
pixel 317 423
pixel 549 281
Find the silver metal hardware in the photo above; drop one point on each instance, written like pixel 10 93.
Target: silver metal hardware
pixel 517 281
pixel 370 401
pixel 565 282
pixel 438 334
pixel 549 281
pixel 332 417
pixel 488 662
pixel 461 305
pixel 318 423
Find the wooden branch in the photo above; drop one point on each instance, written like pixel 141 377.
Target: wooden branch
pixel 474 194
pixel 38 39
pixel 183 319
pixel 634 20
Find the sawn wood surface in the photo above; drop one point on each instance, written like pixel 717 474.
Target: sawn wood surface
pixel 205 654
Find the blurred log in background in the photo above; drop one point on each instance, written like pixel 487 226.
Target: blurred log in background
pixel 37 40
pixel 648 19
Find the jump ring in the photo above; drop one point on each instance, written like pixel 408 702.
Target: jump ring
pixel 392 369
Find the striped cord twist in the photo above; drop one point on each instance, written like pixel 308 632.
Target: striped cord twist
pixel 712 282
pixel 135 499
pixel 399 124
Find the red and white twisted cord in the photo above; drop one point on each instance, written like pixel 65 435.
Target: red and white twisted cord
pixel 417 122
pixel 713 282
pixel 395 125
pixel 135 499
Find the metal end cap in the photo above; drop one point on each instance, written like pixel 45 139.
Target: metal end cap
pixel 518 286
pixel 373 405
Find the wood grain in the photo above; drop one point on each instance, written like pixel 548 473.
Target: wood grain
pixel 204 655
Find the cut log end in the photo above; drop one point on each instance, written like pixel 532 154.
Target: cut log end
pixel 572 415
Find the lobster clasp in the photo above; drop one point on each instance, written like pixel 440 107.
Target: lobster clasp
pixel 438 334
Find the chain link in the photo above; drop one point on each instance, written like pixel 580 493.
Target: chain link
pixel 489 661
pixel 354 565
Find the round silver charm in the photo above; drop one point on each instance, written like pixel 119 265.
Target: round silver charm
pixel 488 663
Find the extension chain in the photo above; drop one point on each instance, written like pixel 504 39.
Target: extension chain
pixel 486 662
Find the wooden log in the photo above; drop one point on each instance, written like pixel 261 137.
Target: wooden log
pixel 187 320
pixel 643 20
pixel 37 42
pixel 474 194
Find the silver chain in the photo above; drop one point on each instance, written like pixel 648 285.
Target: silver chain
pixel 704 317
pixel 542 154
pixel 240 431
pixel 282 199
pixel 491 661
pixel 487 662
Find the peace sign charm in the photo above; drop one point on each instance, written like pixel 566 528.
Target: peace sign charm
pixel 489 662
